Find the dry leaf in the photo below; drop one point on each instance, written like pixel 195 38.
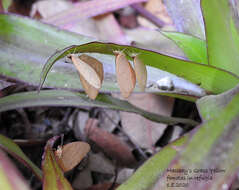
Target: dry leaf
pixel 48 8
pixel 98 162
pixel 158 9
pixel 87 71
pixel 90 90
pixel 83 179
pixel 53 176
pixel 114 33
pixel 110 144
pixel 125 75
pixel 141 131
pixel 141 73
pixel 71 154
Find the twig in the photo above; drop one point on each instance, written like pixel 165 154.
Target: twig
pixel 146 14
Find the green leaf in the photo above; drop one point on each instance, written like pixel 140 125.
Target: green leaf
pixel 149 172
pixel 186 16
pixel 13 149
pixel 68 98
pixel 25 44
pixel 210 106
pixel 221 34
pixel 9 176
pixel 208 77
pixel 194 48
pixel 213 145
pixel 53 176
pixel 22 62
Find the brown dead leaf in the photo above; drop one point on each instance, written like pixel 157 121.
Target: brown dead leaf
pixel 157 8
pixel 110 144
pixel 125 74
pixel 53 176
pixel 101 164
pixel 83 179
pixel 90 90
pixel 114 33
pixel 48 8
pixel 141 73
pixel 71 154
pixel 141 131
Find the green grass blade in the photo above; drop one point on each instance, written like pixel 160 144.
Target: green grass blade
pixel 221 34
pixel 211 79
pixel 25 45
pixel 194 48
pixel 74 99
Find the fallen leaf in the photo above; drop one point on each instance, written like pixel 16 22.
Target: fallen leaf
pixel 90 90
pixel 48 8
pixel 78 128
pixel 108 119
pixel 158 9
pixel 125 74
pixel 113 33
pixel 141 73
pixel 83 179
pixel 99 163
pixel 110 144
pixel 141 131
pixel 124 175
pixel 70 155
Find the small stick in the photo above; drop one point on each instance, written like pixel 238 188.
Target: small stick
pixel 146 14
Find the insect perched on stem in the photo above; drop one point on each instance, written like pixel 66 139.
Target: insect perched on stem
pixel 141 72
pixel 125 74
pixel 91 73
pixel 70 155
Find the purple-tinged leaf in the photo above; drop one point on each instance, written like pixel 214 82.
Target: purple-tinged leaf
pixel 222 34
pixel 76 99
pixel 152 169
pixel 88 9
pixel 53 176
pixel 187 16
pixel 207 160
pixel 210 159
pixel 10 178
pixel 13 149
